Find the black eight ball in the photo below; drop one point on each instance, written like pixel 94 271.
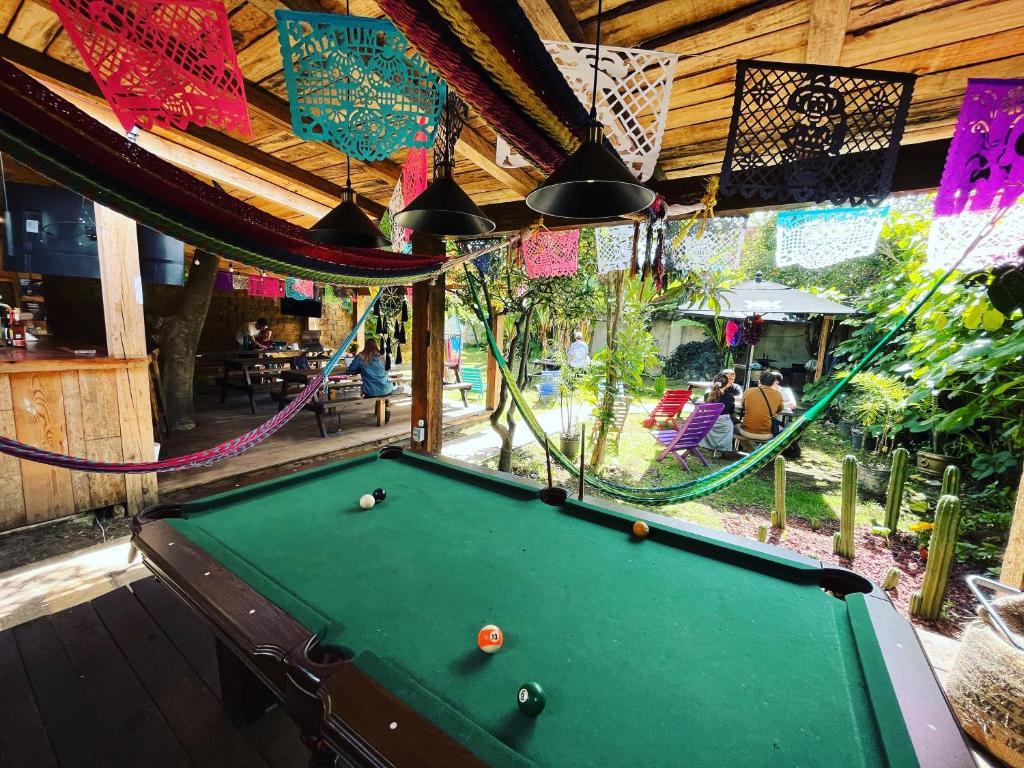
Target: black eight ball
pixel 379 494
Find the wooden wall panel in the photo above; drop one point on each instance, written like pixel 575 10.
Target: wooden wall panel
pixel 99 401
pixel 39 421
pixel 105 489
pixel 75 427
pixel 12 500
pixel 136 434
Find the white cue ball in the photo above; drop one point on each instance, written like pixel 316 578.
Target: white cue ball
pixel 366 501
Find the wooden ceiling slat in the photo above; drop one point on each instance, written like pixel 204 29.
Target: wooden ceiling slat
pixel 921 32
pixel 248 24
pixel 35 26
pixel 8 9
pixel 262 58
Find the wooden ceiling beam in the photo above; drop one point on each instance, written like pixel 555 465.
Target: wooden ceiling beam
pixel 827 31
pixel 554 20
pixel 180 154
pixel 919 167
pixel 709 24
pixel 278 181
pixel 477 150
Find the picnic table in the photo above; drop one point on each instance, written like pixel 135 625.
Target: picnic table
pixel 340 389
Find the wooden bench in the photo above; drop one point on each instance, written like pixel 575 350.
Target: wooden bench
pixel 292 382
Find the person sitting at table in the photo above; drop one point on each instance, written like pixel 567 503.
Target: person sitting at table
pixel 720 438
pixel 761 404
pixel 369 364
pixel 732 386
pixel 788 398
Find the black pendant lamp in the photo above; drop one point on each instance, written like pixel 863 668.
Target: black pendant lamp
pixel 443 208
pixel 593 183
pixel 347 225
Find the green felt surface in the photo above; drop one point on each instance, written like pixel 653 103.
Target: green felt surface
pixel 650 654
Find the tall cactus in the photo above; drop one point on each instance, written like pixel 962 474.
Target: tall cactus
pixel 926 603
pixel 842 543
pixel 951 481
pixel 779 514
pixel 894 494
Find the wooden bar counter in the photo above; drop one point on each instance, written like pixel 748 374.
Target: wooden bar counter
pixel 92 406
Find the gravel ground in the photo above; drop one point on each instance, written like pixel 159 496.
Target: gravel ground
pixel 872 560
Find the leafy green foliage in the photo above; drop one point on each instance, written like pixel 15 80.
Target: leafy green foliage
pixel 636 349
pixel 694 360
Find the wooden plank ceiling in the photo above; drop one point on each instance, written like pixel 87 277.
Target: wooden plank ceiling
pixel 943 41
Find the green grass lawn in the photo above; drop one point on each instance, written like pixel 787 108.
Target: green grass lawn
pixel 813 481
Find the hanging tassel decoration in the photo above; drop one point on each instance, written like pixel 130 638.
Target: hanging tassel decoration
pixel 387 357
pixel 398 355
pixel 659 261
pixel 405 311
pixel 634 264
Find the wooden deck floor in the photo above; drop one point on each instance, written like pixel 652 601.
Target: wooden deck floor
pixel 295 445
pixel 129 679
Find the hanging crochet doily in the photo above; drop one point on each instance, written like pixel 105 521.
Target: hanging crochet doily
pixel 634 90
pixel 352 84
pixel 950 236
pixel 614 247
pixel 823 237
pixel 160 62
pixel 811 133
pixel 985 164
pixel 551 254
pixel 715 242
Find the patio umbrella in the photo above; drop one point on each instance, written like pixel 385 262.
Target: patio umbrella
pixel 773 301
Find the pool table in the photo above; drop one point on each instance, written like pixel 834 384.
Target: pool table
pixel 685 648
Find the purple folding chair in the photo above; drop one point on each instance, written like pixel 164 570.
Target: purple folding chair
pixel 680 442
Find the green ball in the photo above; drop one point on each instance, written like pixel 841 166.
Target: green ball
pixel 530 699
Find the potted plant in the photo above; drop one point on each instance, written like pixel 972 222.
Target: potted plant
pixel 570 381
pixel 877 406
pixel 926 415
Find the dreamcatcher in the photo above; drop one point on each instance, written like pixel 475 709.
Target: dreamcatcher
pixel 752 330
pixel 392 315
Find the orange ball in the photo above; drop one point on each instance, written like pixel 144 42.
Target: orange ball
pixel 641 529
pixel 490 638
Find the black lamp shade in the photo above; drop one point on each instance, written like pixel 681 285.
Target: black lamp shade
pixel 347 225
pixel 443 209
pixel 593 183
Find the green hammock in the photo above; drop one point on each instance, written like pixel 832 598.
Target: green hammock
pixel 726 476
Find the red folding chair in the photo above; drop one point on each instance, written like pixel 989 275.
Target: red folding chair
pixel 668 408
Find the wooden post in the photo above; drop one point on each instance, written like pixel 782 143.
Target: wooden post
pixel 826 324
pixel 358 305
pixel 427 350
pixel 493 374
pixel 1012 572
pixel 121 285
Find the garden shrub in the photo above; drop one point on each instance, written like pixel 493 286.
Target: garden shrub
pixel 695 360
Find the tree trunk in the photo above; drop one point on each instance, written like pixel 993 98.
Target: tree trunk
pixel 179 339
pixel 606 410
pixel 1012 572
